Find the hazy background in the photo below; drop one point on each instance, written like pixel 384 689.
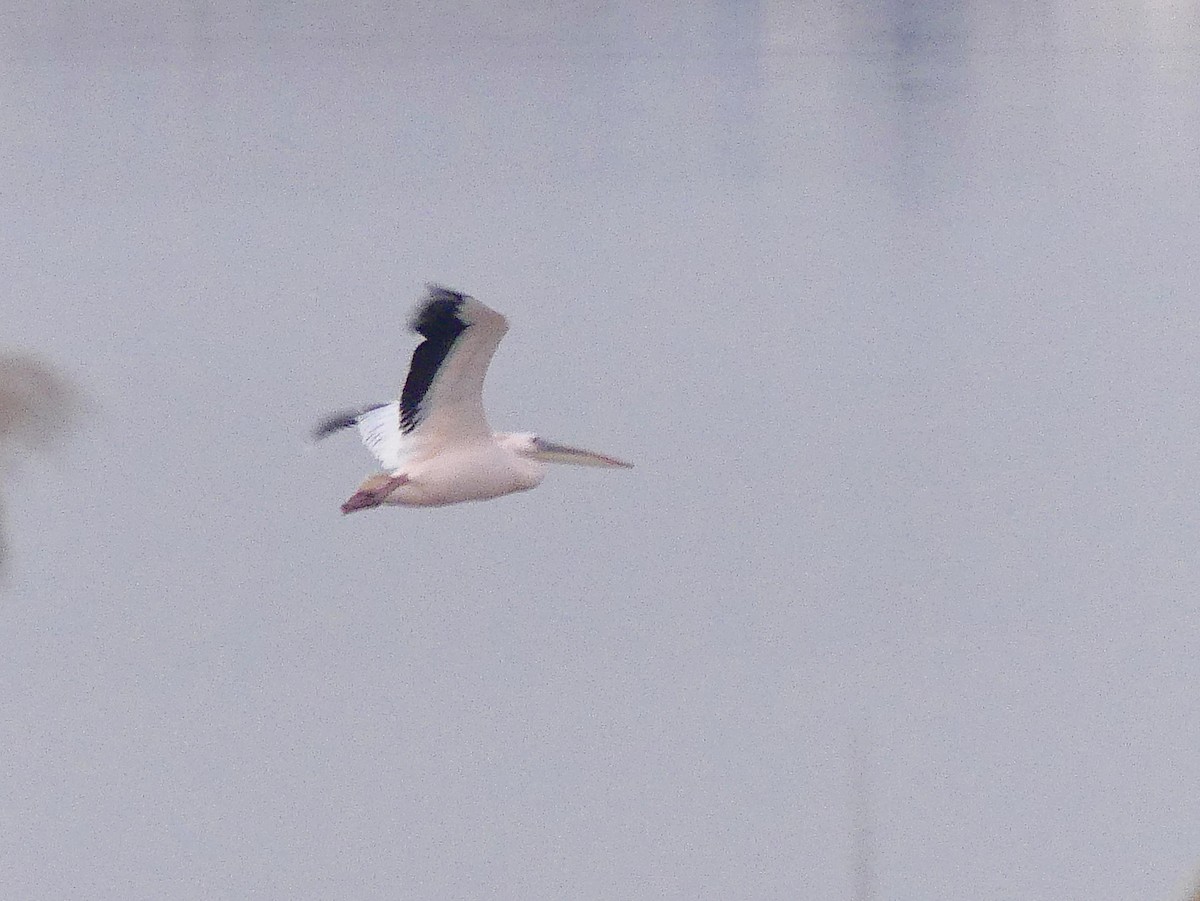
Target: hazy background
pixel 892 303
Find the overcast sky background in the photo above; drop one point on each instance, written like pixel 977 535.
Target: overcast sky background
pixel 894 305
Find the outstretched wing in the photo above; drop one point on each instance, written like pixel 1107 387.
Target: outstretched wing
pixel 441 404
pixel 442 400
pixel 379 428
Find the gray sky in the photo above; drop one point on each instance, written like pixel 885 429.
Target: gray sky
pixel 893 304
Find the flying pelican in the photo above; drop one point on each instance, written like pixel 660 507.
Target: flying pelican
pixel 434 443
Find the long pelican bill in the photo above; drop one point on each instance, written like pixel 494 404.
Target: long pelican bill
pixel 549 452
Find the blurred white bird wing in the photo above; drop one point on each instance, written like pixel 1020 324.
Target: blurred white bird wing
pixel 379 429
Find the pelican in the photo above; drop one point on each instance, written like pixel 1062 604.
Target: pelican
pixel 434 443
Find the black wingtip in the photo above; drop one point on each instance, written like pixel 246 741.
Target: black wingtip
pixel 334 423
pixel 437 314
pixel 434 291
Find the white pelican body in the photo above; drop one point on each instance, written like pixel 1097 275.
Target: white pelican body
pixel 434 443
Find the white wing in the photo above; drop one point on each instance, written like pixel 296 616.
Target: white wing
pixel 442 400
pixel 379 428
pixel 441 404
pixel 380 432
